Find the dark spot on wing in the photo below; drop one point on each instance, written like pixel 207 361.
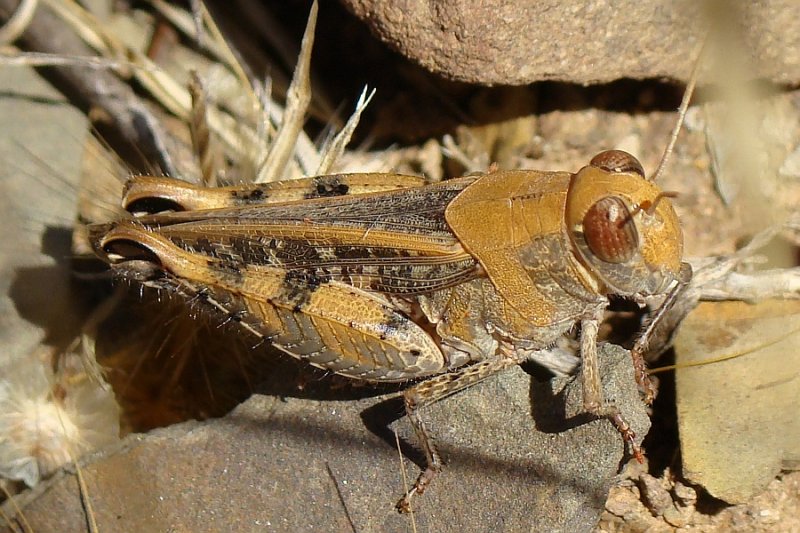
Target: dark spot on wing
pixel 299 285
pixel 368 252
pixel 327 186
pixel 392 325
pixel 251 196
pixel 231 269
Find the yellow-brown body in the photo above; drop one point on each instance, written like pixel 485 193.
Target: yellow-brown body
pixel 381 278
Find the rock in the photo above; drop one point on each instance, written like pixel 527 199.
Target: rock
pixel 497 42
pixel 516 454
pixel 738 418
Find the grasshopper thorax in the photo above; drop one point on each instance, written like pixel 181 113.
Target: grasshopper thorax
pixel 622 226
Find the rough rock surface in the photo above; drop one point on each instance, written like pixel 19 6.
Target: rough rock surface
pixel 515 43
pixel 519 455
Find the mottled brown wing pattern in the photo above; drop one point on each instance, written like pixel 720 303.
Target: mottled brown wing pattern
pixel 310 276
pixel 397 243
pixel 332 326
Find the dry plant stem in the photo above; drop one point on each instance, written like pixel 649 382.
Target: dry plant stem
pixel 229 57
pixel 19 516
pixel 94 88
pixel 248 145
pixel 451 149
pixel 776 283
pixel 336 148
pixel 91 519
pixel 191 24
pixel 341 497
pixel 166 90
pixel 305 153
pixel 177 100
pixel 405 480
pixel 16 24
pixel 202 141
pixel 192 27
pixel 560 360
pixel 37 59
pixel 273 31
pixel 197 19
pixel 86 27
pixel 297 101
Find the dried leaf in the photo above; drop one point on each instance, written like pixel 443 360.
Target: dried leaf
pixel 738 418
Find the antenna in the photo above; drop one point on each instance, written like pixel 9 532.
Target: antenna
pixel 687 97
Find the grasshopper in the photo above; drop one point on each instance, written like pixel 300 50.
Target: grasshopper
pixel 383 278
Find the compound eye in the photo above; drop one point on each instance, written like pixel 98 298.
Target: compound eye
pixel 617 161
pixel 609 231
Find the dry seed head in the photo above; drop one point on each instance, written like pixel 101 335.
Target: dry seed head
pixel 45 424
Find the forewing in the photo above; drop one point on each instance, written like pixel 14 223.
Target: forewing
pixel 394 242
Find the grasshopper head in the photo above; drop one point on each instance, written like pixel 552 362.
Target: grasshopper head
pixel 623 226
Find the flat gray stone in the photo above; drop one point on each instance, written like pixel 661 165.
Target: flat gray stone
pixel 517 459
pixel 41 141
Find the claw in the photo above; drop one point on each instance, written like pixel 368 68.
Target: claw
pixel 404 505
